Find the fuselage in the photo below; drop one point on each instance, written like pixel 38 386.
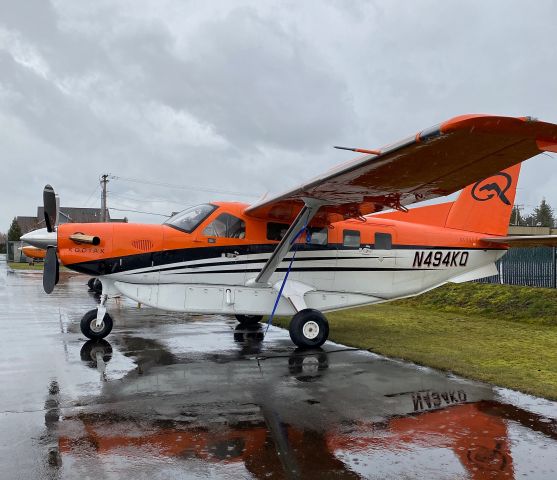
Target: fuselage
pixel 366 261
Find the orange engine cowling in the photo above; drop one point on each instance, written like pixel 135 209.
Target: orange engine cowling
pixel 121 246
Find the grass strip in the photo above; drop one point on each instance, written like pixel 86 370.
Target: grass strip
pixel 36 266
pixel 26 266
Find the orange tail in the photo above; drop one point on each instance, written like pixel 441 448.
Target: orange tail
pixel 486 206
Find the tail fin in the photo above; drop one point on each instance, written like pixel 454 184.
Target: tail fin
pixel 486 206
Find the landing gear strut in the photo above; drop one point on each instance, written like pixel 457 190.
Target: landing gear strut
pixel 309 328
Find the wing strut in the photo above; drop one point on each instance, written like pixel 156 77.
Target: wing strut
pixel 307 212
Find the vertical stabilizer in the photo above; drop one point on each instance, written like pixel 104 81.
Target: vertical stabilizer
pixel 486 206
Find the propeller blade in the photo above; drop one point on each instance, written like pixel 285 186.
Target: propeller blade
pixel 50 208
pixel 51 271
pixel 57 219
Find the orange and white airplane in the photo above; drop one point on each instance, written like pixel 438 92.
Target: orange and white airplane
pixel 317 247
pixel 33 252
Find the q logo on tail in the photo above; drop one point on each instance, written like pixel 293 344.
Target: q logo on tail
pixel 495 186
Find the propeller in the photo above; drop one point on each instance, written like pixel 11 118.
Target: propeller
pixel 51 273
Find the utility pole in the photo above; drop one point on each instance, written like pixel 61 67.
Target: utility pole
pixel 104 209
pixel 517 213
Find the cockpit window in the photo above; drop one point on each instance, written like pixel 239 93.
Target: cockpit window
pixel 188 220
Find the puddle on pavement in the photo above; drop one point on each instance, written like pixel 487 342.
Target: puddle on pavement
pixel 156 400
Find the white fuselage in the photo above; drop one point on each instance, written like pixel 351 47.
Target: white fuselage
pixel 335 279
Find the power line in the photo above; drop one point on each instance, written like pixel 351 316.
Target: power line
pixel 91 196
pixel 144 200
pixel 139 211
pixel 183 187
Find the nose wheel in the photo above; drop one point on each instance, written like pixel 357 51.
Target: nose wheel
pixel 309 328
pixel 93 329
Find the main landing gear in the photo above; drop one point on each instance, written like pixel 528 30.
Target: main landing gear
pixel 309 328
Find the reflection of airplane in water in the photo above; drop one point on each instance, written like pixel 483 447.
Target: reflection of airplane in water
pixel 302 416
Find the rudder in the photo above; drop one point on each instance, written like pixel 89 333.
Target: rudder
pixel 486 206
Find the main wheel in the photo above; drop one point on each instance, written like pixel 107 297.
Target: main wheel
pixel 309 328
pixel 89 325
pixel 249 319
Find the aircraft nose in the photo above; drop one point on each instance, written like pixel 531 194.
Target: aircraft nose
pixel 41 238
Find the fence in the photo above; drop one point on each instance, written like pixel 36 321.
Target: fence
pixel 535 267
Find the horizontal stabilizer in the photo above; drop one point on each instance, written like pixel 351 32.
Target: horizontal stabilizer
pixel 524 241
pixel 482 272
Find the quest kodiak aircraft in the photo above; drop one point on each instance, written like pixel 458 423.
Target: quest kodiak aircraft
pixel 317 248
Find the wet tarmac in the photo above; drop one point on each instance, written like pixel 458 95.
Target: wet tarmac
pixel 177 396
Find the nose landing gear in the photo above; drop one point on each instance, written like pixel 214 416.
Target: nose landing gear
pixel 97 323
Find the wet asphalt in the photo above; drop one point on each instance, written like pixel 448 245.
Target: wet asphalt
pixel 180 396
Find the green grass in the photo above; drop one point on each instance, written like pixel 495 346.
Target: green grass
pixel 500 334
pixel 25 266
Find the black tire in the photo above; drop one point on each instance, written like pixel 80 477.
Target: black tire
pixel 88 328
pixel 90 283
pixel 249 319
pixel 309 328
pixel 97 286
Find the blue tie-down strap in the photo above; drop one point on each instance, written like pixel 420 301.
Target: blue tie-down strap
pixel 270 321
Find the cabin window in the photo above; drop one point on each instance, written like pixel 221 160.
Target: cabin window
pixel 351 238
pixel 189 219
pixel 275 231
pixel 226 226
pixel 318 235
pixel 383 241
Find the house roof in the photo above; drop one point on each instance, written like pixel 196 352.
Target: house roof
pixel 67 215
pixel 27 224
pixel 79 215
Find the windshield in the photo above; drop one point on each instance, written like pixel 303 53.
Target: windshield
pixel 188 220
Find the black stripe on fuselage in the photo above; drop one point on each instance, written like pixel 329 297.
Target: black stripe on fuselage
pixel 129 263
pixel 310 269
pixel 232 261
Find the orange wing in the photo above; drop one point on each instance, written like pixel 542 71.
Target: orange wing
pixel 436 162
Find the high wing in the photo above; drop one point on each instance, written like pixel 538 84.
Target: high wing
pixel 524 241
pixel 435 162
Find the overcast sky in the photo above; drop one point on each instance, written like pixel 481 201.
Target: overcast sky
pixel 249 96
